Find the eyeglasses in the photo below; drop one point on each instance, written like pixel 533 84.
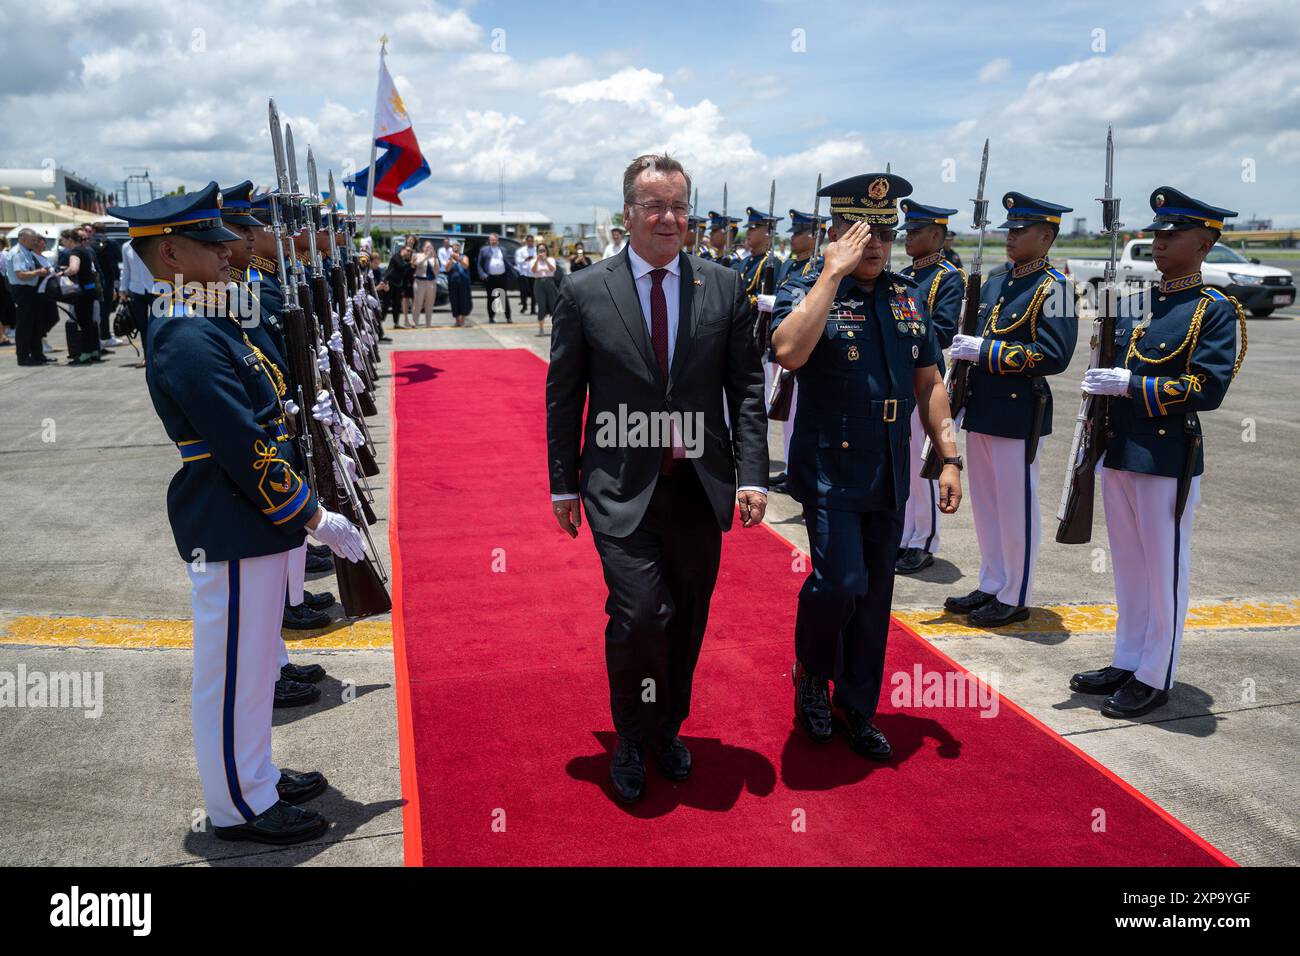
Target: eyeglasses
pixel 657 209
pixel 885 235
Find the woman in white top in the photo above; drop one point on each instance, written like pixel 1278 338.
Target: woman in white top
pixel 546 288
pixel 426 283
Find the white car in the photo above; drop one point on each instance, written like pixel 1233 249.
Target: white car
pixel 1259 288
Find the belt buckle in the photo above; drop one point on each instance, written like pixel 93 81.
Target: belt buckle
pixel 890 413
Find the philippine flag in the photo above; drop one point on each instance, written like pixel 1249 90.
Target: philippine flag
pixel 400 165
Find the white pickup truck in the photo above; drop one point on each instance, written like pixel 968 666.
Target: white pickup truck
pixel 1259 288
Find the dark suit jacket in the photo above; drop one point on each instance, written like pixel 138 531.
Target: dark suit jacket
pixel 601 356
pixel 506 257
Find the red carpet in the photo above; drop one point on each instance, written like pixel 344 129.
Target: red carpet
pixel 504 706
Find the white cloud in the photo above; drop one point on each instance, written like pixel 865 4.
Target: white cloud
pixel 994 70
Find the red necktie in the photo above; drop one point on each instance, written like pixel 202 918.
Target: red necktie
pixel 659 319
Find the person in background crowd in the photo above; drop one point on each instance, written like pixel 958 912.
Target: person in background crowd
pixel 579 260
pixel 135 289
pixel 7 310
pixel 425 282
pixel 524 257
pixel 400 279
pixel 547 289
pixel 495 269
pixel 444 254
pixel 77 264
pixel 27 274
pixel 616 242
pixel 458 291
pixel 109 258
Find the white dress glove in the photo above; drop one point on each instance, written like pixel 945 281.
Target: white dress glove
pixel 349 432
pixel 340 534
pixel 291 407
pixel 965 347
pixel 1106 381
pixel 349 466
pixel 323 410
pixel 336 340
pixel 323 360
pixel 357 383
pixel 766 303
pixel 374 303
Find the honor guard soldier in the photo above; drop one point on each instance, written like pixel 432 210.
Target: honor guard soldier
pixel 1178 352
pixel 722 231
pixel 1028 332
pixel 803 239
pixel 691 244
pixel 942 285
pixel 861 344
pixel 758 243
pixel 260 315
pixel 236 508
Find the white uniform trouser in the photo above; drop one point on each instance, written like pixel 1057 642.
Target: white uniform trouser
pixel 297 582
pixel 238 607
pixel 426 293
pixel 1152 561
pixel 1004 501
pixel 921 515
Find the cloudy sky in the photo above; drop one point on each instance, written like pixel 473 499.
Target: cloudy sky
pixel 1203 95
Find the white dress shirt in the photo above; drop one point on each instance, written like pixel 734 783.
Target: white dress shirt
pixel 613 249
pixel 524 257
pixel 135 277
pixel 496 261
pixel 672 285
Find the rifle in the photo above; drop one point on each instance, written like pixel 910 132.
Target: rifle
pixel 1089 442
pixel 957 381
pixel 346 323
pixel 778 405
pixel 361 584
pixel 726 223
pixel 341 384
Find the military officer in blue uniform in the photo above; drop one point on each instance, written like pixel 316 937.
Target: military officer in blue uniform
pixel 1177 352
pixel 758 243
pixel 236 508
pixel 942 285
pixel 1028 331
pixel 804 227
pixel 722 232
pixel 693 244
pixel 862 346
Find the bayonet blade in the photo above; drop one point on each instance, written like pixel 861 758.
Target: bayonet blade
pixel 771 204
pixel 277 147
pixel 291 157
pixel 312 182
pixel 817 226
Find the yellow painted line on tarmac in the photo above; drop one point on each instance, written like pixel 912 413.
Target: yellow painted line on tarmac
pixel 1100 619
pixel 172 634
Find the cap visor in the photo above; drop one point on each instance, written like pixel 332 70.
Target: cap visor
pixel 240 219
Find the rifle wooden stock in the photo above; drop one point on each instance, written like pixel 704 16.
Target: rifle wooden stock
pixel 361 589
pixel 364 398
pixel 958 378
pixel 1075 525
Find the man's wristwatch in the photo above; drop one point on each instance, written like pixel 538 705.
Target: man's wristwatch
pixel 954 460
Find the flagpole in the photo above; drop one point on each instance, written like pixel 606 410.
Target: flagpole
pixel 374 143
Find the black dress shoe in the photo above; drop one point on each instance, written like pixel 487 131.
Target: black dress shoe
pixel 913 560
pixel 292 693
pixel 865 737
pixel 323 550
pixel 319 601
pixel 1133 700
pixel 1104 680
pixel 674 759
pixel 299 617
pixel 812 704
pixel 317 563
pixel 968 602
pixel 303 673
pixel 996 614
pixel 282 823
pixel 295 787
pixel 627 771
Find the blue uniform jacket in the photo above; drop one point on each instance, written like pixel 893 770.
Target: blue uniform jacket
pixel 943 286
pixel 850 448
pixel 236 495
pixel 1182 363
pixel 1030 329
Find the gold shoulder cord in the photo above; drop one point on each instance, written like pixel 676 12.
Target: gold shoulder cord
pixel 934 292
pixel 758 273
pixel 1189 341
pixel 272 371
pixel 1030 314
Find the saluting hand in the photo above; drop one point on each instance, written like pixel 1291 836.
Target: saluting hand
pixel 843 255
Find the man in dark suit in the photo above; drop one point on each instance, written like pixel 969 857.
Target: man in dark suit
pixel 654 341
pixel 496 271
